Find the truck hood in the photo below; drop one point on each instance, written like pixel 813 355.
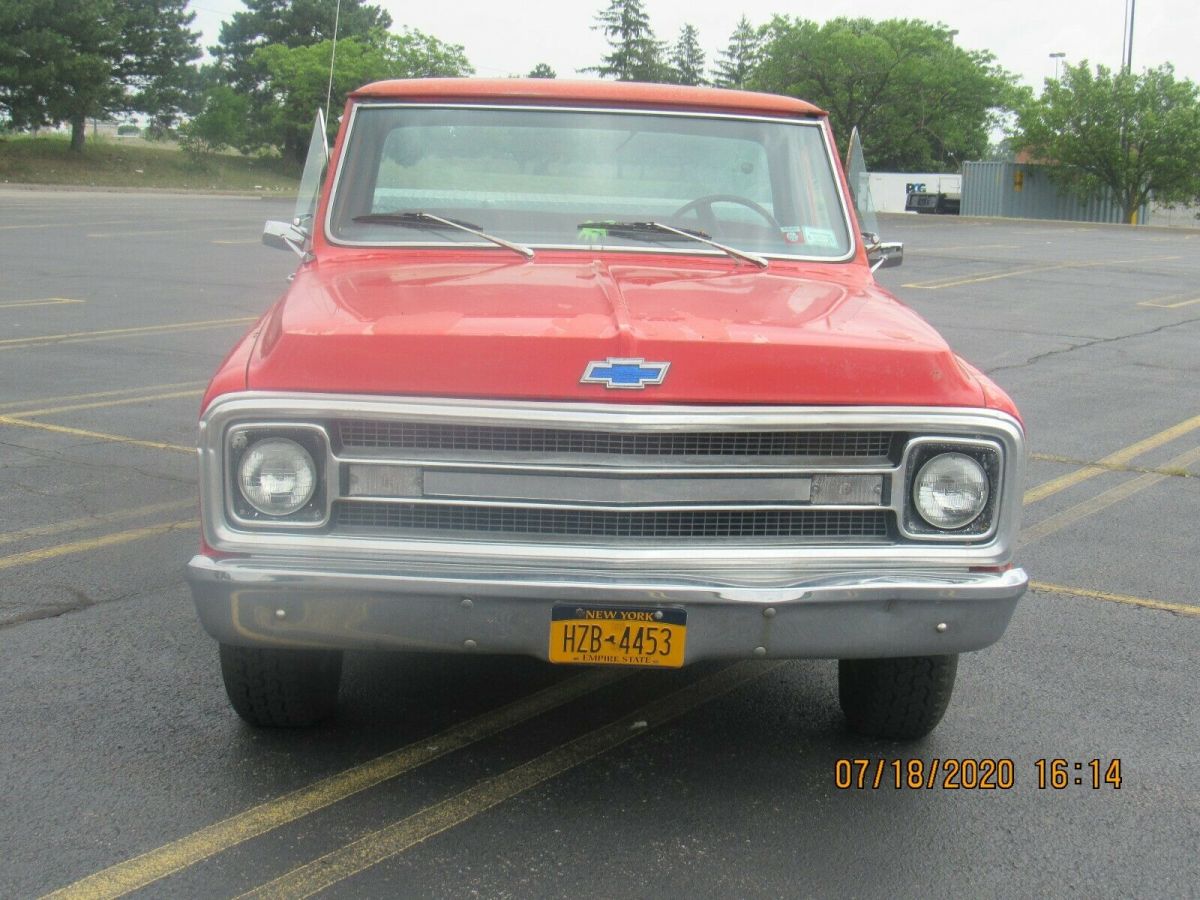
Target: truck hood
pixel 408 324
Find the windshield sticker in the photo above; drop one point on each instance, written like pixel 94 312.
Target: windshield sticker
pixel 593 232
pixel 820 237
pixel 791 234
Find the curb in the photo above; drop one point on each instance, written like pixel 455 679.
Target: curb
pixel 132 189
pixel 1000 220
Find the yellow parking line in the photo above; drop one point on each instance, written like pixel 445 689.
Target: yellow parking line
pixel 1156 304
pixel 67 224
pixel 100 404
pixel 14 422
pixel 936 251
pixel 96 543
pixel 13 537
pixel 15 404
pixel 938 284
pixel 1183 609
pixel 378 846
pixel 1071 460
pixel 48 301
pixel 1120 458
pixel 141 233
pixel 1102 501
pixel 73 337
pixel 955 280
pixel 137 873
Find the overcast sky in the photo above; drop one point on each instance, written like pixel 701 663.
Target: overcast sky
pixel 506 38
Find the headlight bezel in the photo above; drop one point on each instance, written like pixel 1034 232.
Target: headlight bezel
pixel 919 451
pixel 240 439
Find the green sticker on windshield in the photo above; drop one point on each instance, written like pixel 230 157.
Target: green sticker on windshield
pixel 592 233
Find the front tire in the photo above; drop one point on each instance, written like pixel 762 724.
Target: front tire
pixel 901 699
pixel 272 688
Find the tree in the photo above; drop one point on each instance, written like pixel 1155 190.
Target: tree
pixel 71 60
pixel 919 101
pixel 542 70
pixel 1136 135
pixel 297 78
pixel 220 123
pixel 636 54
pixel 687 59
pixel 738 60
pixel 292 23
pixel 414 54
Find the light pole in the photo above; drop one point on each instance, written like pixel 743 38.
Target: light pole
pixel 952 33
pixel 1057 57
pixel 1127 37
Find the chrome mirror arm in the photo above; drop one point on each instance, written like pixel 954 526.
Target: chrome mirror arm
pixel 891 254
pixel 287 236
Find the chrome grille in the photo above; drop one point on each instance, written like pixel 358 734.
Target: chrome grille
pixel 432 436
pixel 495 521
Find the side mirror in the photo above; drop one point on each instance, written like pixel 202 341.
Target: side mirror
pixel 285 236
pixel 885 255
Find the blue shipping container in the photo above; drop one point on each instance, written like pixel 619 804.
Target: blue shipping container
pixel 1024 191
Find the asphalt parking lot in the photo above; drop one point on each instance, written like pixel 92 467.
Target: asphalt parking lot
pixel 123 770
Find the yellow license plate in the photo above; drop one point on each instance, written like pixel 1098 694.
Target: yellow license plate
pixel 617 636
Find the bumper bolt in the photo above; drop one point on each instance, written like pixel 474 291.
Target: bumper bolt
pixel 760 651
pixel 467 603
pixel 942 627
pixel 470 644
pixel 281 613
pixel 769 612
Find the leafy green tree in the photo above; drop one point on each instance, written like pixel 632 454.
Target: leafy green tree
pixel 1137 136
pixel 636 54
pixel 737 61
pixel 292 23
pixel 919 101
pixel 220 123
pixel 542 70
pixel 295 81
pixel 687 59
pixel 71 60
pixel 414 54
pixel 297 78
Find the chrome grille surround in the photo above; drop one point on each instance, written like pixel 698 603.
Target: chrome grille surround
pixel 704 537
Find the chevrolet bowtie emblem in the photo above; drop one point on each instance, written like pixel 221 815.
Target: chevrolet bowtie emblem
pixel 631 374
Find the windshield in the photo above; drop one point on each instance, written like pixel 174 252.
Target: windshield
pixel 555 177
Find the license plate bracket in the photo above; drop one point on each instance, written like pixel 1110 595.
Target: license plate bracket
pixel 653 637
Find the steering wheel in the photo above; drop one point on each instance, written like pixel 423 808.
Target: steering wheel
pixel 708 220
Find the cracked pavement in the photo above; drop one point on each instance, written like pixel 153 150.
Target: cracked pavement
pixel 1092 342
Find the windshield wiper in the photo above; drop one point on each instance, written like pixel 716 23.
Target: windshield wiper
pixel 645 229
pixel 416 219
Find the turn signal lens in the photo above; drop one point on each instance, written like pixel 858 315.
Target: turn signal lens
pixel 950 491
pixel 277 476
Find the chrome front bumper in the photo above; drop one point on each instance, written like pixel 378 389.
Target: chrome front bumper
pixel 303 602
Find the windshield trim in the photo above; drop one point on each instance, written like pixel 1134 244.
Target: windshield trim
pixel 814 122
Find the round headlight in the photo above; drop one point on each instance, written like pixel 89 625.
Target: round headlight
pixel 950 491
pixel 277 476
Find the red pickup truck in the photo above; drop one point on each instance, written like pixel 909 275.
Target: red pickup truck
pixel 598 373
